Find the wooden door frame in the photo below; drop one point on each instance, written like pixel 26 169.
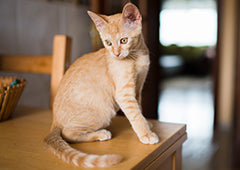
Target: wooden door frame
pixel 150 10
pixel 236 119
pixel 216 64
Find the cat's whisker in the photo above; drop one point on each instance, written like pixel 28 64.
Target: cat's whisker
pixel 131 56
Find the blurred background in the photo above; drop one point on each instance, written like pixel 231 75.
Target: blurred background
pixel 194 76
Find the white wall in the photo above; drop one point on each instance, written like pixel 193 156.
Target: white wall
pixel 28 27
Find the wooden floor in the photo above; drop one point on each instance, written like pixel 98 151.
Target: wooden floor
pixel 193 104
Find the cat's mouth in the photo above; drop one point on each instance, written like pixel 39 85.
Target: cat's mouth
pixel 120 55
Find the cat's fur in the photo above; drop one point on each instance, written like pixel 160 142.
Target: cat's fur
pixel 97 85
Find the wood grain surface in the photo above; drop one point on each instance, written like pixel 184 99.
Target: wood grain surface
pixel 22 147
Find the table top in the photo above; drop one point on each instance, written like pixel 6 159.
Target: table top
pixel 22 147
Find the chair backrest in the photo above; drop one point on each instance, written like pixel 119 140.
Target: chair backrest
pixel 55 64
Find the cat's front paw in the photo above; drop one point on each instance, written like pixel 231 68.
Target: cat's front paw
pixel 104 135
pixel 150 138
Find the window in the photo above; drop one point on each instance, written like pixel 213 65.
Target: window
pixel 192 23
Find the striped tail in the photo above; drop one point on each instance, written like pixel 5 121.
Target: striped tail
pixel 64 151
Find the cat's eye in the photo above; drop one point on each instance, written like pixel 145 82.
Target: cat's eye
pixel 124 40
pixel 109 43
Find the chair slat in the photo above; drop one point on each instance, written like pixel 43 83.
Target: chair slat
pixel 31 64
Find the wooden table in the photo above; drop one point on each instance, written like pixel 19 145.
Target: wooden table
pixel 22 147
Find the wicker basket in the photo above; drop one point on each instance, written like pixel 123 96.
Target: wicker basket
pixel 10 91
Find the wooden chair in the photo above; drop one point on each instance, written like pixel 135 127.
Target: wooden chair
pixel 54 64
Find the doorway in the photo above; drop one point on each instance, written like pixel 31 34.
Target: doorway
pixel 188 37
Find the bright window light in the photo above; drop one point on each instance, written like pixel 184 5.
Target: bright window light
pixel 194 27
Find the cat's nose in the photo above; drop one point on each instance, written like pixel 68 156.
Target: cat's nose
pixel 116 53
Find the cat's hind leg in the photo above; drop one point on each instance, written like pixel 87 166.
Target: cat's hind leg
pixel 71 135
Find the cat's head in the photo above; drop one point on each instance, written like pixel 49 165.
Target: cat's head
pixel 120 32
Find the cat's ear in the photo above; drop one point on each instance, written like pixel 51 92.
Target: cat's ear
pixel 131 16
pixel 98 20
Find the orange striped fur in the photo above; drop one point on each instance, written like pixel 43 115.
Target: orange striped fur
pixel 97 85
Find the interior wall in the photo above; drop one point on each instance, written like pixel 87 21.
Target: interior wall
pixel 28 27
pixel 227 62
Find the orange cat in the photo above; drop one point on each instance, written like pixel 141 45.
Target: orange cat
pixel 97 85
